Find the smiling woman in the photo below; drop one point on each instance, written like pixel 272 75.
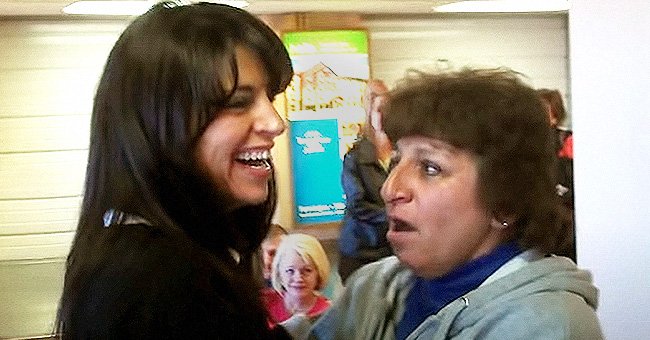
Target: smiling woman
pixel 180 186
pixel 235 148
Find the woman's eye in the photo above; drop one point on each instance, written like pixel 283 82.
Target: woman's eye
pixel 289 271
pixel 430 168
pixel 240 100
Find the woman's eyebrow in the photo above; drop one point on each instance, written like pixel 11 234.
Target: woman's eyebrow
pixel 245 88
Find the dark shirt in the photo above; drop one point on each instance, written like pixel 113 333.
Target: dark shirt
pixel 363 233
pixel 150 285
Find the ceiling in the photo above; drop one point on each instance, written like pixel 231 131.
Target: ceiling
pixel 53 7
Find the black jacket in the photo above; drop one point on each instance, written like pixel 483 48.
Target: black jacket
pixel 148 284
pixel 363 234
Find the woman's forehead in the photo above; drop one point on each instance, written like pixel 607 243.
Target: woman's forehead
pixel 418 143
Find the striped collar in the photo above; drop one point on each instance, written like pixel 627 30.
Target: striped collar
pixel 117 217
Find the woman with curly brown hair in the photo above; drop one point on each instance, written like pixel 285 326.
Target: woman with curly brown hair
pixel 474 222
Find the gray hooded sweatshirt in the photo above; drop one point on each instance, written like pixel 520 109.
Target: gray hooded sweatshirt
pixel 529 297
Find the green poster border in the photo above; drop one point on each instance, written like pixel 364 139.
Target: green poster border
pixel 326 41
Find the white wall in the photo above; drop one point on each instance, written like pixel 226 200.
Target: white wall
pixel 610 82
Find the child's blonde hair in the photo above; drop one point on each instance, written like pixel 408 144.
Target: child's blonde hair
pixel 310 250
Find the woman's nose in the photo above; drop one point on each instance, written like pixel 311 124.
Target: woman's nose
pixel 395 189
pixel 269 121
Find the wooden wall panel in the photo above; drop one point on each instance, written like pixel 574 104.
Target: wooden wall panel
pixel 42 174
pixel 29 291
pixel 56 44
pixel 48 77
pixel 33 216
pixel 35 246
pixel 47 92
pixel 49 133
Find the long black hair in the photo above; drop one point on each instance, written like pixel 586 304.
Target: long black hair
pixel 169 74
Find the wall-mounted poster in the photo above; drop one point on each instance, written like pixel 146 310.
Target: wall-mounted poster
pixel 315 154
pixel 325 113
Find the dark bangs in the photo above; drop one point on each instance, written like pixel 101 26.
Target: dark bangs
pixel 221 38
pixel 203 43
pixel 176 72
pixel 243 30
pixel 258 37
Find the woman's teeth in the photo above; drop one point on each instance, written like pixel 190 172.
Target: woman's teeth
pixel 254 155
pixel 255 159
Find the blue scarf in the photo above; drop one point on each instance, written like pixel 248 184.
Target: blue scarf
pixel 428 297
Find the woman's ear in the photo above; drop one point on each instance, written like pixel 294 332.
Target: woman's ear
pixel 494 223
pixel 499 221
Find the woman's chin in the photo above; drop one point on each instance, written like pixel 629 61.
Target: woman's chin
pixel 418 268
pixel 243 198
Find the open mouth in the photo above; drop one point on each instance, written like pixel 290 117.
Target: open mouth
pixel 256 159
pixel 400 226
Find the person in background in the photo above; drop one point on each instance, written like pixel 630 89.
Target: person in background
pixel 269 248
pixel 180 187
pixel 473 221
pixel 363 233
pixel 563 142
pixel 300 271
pixel 554 105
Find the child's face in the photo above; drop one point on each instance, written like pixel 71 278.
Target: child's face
pixel 299 278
